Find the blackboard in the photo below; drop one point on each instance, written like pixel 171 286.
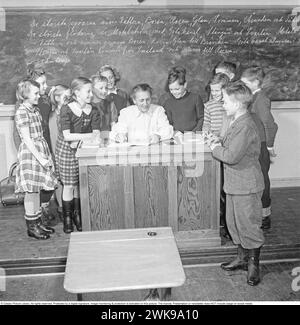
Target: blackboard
pixel 144 43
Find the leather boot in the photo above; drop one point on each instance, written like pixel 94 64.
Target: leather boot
pixel 67 216
pixel 253 267
pixel 33 230
pixel 77 214
pixel 44 227
pixel 240 262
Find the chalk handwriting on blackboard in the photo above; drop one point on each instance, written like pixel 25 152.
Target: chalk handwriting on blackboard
pixel 152 34
pixel 144 44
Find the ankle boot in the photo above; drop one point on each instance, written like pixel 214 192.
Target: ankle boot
pixel 67 216
pixel 240 262
pixel 33 230
pixel 253 267
pixel 77 214
pixel 43 226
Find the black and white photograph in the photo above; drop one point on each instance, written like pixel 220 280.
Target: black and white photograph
pixel 149 155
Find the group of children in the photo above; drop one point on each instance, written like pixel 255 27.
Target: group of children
pixel 237 119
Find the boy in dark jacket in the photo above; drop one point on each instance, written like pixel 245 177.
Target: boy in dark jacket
pixel 243 180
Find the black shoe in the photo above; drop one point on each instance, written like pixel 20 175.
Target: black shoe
pixel 33 230
pixel 253 278
pixel 68 216
pixel 44 227
pixel 266 223
pixel 239 263
pixel 77 214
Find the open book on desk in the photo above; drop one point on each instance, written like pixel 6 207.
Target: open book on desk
pixel 128 144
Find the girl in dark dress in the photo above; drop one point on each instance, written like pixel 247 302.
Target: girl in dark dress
pixel 79 120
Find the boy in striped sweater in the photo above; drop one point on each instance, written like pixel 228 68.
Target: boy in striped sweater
pixel 214 112
pixel 217 122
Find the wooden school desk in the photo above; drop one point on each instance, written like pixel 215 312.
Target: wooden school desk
pixel 129 259
pixel 179 187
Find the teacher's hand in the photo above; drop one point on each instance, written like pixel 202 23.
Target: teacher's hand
pixel 154 138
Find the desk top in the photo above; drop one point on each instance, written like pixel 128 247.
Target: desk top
pixel 164 153
pixel 126 259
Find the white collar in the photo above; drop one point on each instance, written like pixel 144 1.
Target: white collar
pixel 77 110
pixel 149 112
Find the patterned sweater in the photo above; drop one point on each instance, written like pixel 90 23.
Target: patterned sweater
pixel 213 116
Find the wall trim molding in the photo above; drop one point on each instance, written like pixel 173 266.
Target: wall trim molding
pixel 285 182
pixel 293 104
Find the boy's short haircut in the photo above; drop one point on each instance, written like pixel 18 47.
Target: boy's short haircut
pixel 23 88
pixel 219 78
pixel 177 73
pixel 98 78
pixel 239 91
pixel 226 65
pixel 254 73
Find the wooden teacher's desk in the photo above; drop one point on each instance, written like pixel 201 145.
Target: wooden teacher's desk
pixel 152 186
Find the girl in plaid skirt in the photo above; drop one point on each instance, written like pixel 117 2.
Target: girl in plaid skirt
pixel 35 170
pixel 36 72
pixel 79 120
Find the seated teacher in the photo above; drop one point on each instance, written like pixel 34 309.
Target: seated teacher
pixel 143 121
pixel 185 110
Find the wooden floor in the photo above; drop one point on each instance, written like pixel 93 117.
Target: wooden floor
pixel 283 240
pixel 203 283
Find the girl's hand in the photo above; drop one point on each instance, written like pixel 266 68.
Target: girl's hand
pixel 272 152
pixel 213 145
pixel 74 144
pixel 121 137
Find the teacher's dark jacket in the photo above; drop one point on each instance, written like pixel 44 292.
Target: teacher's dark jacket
pixel 240 152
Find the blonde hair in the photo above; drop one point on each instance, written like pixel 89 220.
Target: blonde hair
pixel 219 78
pixel 98 78
pixel 239 91
pixel 77 84
pixel 56 91
pixel 23 89
pixel 35 70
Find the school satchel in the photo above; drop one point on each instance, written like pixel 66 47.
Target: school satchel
pixel 7 189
